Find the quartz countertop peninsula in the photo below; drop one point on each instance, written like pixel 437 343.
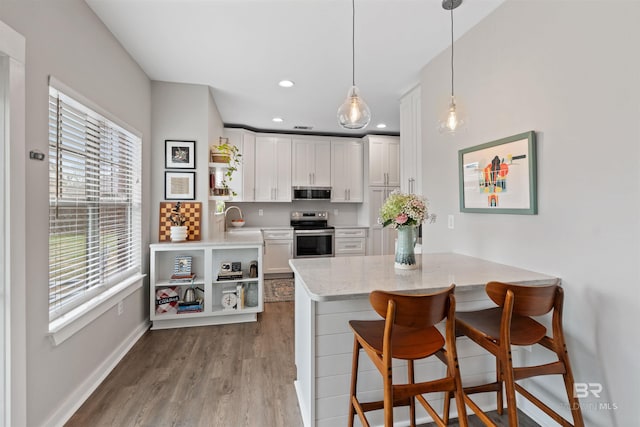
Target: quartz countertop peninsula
pixel 331 279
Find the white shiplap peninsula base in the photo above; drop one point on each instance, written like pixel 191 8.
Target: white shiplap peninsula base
pixel 331 291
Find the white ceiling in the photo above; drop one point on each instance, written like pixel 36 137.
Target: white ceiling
pixel 242 48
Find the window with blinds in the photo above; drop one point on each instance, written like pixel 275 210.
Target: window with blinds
pixel 94 204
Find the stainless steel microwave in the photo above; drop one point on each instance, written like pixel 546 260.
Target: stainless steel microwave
pixel 311 193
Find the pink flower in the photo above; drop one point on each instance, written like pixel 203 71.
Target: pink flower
pixel 402 218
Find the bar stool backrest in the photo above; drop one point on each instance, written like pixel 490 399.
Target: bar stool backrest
pixel 414 311
pixel 527 301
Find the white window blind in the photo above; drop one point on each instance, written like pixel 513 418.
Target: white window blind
pixel 94 203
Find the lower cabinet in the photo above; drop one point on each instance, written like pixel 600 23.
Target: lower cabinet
pixel 278 250
pixel 351 242
pixel 194 284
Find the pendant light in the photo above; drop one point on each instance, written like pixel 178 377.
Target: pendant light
pixel 452 121
pixel 354 112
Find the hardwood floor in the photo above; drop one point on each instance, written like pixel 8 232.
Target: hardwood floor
pixel 218 376
pixel 229 375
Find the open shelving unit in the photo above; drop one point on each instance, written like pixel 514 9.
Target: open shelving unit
pixel 207 260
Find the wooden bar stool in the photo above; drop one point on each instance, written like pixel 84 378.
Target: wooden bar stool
pixel 497 329
pixel 408 332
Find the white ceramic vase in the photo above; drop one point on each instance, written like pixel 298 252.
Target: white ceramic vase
pixel 178 233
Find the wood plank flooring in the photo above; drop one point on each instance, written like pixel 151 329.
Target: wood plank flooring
pixel 228 375
pixel 217 376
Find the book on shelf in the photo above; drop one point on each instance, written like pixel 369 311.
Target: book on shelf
pixel 167 300
pixel 176 278
pixel 191 307
pixel 232 275
pixel 240 293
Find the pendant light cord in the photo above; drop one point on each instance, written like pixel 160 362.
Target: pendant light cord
pixel 451 50
pixel 353 42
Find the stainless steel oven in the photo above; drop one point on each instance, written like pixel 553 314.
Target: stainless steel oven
pixel 312 237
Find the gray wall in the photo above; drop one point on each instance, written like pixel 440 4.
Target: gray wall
pixel 570 71
pixel 65 39
pixel 182 112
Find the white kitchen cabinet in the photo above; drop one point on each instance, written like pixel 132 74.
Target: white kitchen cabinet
pixel 350 241
pixel 384 160
pixel 273 169
pixel 311 163
pixel 243 180
pixel 278 250
pixel 206 259
pixel 381 239
pixel 411 142
pixel 347 170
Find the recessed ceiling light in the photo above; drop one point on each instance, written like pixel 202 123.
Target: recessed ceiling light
pixel 286 83
pixel 277 120
pixel 381 126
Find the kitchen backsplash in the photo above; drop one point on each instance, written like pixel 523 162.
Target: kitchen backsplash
pixel 277 214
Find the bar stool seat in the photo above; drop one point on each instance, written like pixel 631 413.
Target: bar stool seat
pixel 408 332
pixel 511 323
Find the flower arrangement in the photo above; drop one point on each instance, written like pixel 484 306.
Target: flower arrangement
pixel 175 217
pixel 404 210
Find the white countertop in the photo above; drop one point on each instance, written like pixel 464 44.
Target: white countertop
pixel 248 237
pixel 342 278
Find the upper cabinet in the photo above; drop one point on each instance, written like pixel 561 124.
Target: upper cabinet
pixel 347 175
pixel 384 161
pixel 243 180
pixel 411 142
pixel 273 169
pixel 311 164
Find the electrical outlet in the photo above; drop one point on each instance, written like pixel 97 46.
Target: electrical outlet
pixel 120 307
pixel 336 212
pixel 260 212
pixel 450 222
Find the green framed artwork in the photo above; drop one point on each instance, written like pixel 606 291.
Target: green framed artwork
pixel 499 176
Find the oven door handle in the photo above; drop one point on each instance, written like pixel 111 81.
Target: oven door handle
pixel 316 232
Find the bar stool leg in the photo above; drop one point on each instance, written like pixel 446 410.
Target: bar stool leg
pixel 412 400
pixel 509 383
pixel 576 413
pixel 354 379
pixel 500 380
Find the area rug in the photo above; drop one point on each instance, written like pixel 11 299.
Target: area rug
pixel 278 290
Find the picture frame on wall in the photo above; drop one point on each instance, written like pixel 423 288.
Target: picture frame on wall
pixel 179 154
pixel 179 185
pixel 499 176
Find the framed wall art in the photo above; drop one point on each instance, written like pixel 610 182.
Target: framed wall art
pixel 179 185
pixel 179 154
pixel 499 176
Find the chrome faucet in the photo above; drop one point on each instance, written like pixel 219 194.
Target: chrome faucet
pixel 225 215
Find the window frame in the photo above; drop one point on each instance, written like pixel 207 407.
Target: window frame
pixel 102 294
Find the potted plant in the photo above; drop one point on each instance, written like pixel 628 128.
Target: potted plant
pixel 177 219
pixel 229 154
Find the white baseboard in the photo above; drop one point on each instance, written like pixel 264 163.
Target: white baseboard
pixel 73 402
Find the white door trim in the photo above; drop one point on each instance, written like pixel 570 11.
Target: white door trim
pixel 13 46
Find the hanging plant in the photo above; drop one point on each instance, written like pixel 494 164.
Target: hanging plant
pixel 230 154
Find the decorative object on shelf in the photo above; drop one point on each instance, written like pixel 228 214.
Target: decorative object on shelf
pixel 499 176
pixel 405 212
pixel 229 155
pixel 182 264
pixel 167 300
pixel 192 214
pixel 252 294
pixel 354 113
pixel 253 269
pixel 178 229
pixel 452 121
pixel 230 271
pixel 179 185
pixel 229 299
pixel 179 154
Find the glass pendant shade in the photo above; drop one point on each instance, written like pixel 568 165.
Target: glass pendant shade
pixel 354 113
pixel 452 121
